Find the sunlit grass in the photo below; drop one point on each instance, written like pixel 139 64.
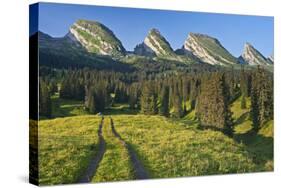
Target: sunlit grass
pixel 116 164
pixel 65 148
pixel 267 129
pixel 168 149
pixel 236 107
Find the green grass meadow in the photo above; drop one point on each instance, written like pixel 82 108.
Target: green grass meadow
pixel 167 147
pixel 115 164
pixel 65 147
pixel 171 150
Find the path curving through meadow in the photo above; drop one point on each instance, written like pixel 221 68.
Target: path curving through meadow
pixel 94 163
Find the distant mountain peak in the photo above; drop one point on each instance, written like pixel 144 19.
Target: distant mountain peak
pixel 157 43
pixel 271 57
pixel 208 49
pixel 96 38
pixel 252 56
pixel 248 44
pixel 154 31
pixel 93 39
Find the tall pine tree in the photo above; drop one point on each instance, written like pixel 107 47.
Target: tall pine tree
pixel 148 99
pixel 164 102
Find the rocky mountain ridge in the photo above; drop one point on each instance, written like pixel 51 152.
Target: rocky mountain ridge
pixel 95 38
pixel 252 56
pixel 208 49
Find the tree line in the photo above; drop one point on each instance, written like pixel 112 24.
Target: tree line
pixel 174 94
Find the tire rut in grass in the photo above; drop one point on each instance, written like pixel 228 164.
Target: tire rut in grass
pixel 139 170
pixel 94 163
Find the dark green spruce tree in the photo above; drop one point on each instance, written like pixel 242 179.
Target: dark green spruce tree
pixel 177 101
pixel 255 111
pixel 213 109
pixel 148 99
pixel 45 105
pixel 164 102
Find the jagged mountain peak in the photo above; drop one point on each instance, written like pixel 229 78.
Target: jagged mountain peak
pixel 154 31
pixel 157 43
pixel 87 37
pixel 204 36
pixel 249 46
pixel 271 57
pixel 208 49
pixel 96 38
pixel 252 56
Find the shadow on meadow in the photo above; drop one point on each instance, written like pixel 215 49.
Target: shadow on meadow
pixel 260 148
pixel 120 109
pixel 66 108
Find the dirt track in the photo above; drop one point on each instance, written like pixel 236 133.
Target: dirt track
pixel 139 170
pixel 93 165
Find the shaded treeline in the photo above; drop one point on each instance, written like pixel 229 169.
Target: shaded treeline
pixel 173 94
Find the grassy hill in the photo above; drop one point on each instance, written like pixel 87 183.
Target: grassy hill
pixel 167 147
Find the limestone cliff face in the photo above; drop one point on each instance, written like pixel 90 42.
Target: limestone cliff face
pixel 96 38
pixel 208 50
pixel 252 56
pixel 154 44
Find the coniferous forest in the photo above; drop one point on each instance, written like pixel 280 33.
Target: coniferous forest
pixel 209 94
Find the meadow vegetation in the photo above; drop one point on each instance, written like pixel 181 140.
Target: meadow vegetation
pixel 65 148
pixel 116 164
pixel 168 149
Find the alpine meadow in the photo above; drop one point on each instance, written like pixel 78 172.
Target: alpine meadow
pixel 106 113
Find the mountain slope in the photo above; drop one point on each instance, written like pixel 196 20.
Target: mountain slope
pixel 252 56
pixel 65 52
pixel 155 43
pixel 271 58
pixel 96 38
pixel 208 50
pixel 59 45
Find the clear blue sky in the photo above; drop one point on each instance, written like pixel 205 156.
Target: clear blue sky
pixel 131 25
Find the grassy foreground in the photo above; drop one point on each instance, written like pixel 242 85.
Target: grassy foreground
pixel 168 149
pixel 65 147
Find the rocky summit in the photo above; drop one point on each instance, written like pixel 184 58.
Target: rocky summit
pixel 208 50
pixel 252 56
pixel 93 41
pixel 154 44
pixel 96 38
